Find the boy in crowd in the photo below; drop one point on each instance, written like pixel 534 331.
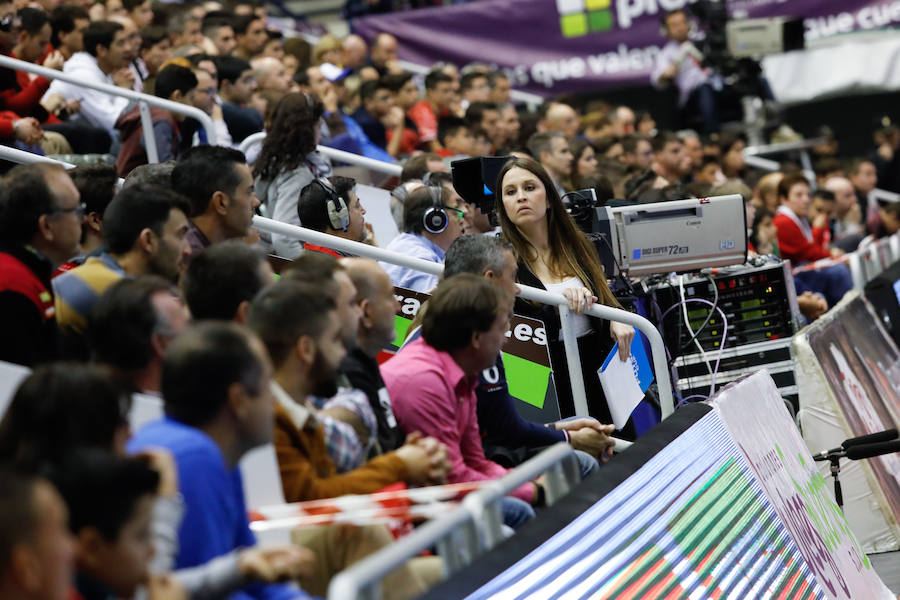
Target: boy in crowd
pixel 113 542
pixel 455 137
pixel 173 83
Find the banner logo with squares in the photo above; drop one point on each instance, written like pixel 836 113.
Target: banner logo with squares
pixel 580 17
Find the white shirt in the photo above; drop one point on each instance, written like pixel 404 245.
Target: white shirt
pixel 580 323
pixel 690 74
pixel 98 108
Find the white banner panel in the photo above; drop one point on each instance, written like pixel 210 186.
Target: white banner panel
pixel 755 416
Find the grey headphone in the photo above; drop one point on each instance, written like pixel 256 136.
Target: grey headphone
pixel 338 213
pixel 435 219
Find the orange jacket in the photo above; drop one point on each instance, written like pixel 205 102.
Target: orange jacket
pixel 307 472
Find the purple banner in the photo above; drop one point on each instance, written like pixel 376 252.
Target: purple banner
pixel 550 47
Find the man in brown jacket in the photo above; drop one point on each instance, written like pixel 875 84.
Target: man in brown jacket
pixel 301 329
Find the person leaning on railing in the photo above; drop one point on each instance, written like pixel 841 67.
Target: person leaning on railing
pixel 555 255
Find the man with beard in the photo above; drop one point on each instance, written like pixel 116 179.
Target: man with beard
pixel 301 329
pixel 216 385
pixel 144 231
pixel 670 162
pixel 219 185
pixel 350 424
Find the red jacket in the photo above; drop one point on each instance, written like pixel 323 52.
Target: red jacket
pixel 22 94
pixel 7 130
pixel 794 246
pixel 315 248
pixel 27 317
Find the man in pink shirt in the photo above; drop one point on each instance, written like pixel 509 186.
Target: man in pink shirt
pixel 432 380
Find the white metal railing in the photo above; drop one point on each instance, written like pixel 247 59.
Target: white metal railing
pixel 802 147
pixel 798 146
pixel 596 310
pixel 252 140
pixel 759 162
pixel 465 532
pixel 361 161
pixel 27 158
pixel 143 101
pixel 350 158
pixel 885 195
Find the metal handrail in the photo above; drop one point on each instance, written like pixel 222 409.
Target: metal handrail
pixel 664 383
pixel 484 504
pixel 479 509
pixel 759 162
pixel 857 274
pixel 252 140
pixel 887 196
pixel 27 158
pixel 764 149
pixel 146 99
pixel 361 161
pixel 865 264
pixel 350 158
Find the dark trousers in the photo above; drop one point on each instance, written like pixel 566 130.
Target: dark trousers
pixel 84 138
pixel 703 107
pixel 832 282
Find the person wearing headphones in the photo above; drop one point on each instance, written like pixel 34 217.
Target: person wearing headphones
pixel 432 218
pixel 330 205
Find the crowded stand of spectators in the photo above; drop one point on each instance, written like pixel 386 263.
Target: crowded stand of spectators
pixel 160 288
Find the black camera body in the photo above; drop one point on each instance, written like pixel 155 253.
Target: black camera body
pixel 475 179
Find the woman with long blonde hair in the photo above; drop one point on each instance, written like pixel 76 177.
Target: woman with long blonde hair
pixel 557 256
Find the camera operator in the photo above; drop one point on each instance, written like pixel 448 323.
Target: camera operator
pixel 679 61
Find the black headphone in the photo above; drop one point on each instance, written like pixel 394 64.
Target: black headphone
pixel 338 213
pixel 435 219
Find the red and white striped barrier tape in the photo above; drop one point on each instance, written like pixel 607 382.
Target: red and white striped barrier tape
pixel 394 503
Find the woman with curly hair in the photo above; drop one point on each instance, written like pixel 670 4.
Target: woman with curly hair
pixel 555 255
pixel 288 162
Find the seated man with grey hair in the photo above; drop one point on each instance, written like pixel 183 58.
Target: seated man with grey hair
pixel 503 430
